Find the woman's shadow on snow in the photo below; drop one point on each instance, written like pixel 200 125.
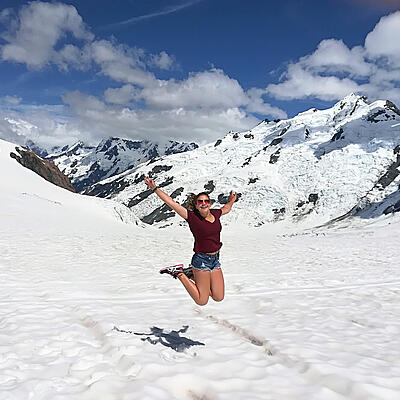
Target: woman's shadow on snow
pixel 172 339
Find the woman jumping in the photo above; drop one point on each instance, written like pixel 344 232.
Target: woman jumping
pixel 206 227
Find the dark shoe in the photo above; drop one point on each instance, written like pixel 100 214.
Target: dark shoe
pixel 174 271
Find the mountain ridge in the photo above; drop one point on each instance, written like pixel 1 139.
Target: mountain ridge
pixel 311 168
pixel 86 165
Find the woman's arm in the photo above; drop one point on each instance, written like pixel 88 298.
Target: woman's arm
pixel 227 207
pixel 180 210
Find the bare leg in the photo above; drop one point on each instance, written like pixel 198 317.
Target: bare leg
pixel 217 285
pixel 200 289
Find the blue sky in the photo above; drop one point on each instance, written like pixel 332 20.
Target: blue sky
pixel 187 69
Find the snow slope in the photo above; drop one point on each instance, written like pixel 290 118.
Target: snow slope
pixel 311 169
pixel 85 315
pixel 23 189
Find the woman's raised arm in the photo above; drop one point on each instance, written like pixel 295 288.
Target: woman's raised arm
pixel 227 207
pixel 168 200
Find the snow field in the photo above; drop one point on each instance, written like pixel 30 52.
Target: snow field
pixel 305 317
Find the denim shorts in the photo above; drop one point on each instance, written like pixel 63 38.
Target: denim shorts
pixel 205 262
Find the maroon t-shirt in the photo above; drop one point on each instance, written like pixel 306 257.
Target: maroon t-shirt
pixel 206 234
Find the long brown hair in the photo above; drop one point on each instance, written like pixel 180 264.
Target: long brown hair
pixel 191 200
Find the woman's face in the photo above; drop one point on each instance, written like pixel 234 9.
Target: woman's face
pixel 203 203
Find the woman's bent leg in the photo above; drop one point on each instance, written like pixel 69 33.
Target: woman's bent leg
pixel 199 290
pixel 217 285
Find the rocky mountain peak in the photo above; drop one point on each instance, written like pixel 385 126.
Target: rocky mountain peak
pixel 348 106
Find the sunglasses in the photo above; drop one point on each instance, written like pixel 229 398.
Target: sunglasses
pixel 205 201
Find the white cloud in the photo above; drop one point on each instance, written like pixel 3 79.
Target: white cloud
pixel 201 125
pixel 384 77
pixel 162 61
pixel 82 103
pixel 121 63
pixel 335 57
pixel 32 37
pixel 384 40
pixel 208 89
pixel 8 133
pixel 72 56
pixel 300 83
pixel 35 38
pixel 12 100
pixel 333 70
pixel 122 95
pixel 41 124
pixel 205 90
pixel 6 15
pixel 257 105
pixel 201 108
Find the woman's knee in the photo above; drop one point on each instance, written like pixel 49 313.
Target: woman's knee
pixel 218 297
pixel 202 302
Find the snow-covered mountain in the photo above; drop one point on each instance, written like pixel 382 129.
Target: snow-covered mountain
pixel 313 168
pixel 87 165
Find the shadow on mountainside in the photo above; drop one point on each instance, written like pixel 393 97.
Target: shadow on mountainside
pixel 388 205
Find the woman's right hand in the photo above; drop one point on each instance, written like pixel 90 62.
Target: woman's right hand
pixel 150 183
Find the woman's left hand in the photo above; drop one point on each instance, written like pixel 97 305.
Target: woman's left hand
pixel 232 196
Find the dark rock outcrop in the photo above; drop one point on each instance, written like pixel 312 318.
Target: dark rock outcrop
pixel 274 157
pixel 391 174
pixel 159 168
pixel 276 141
pixel 391 106
pixel 209 187
pixel 338 135
pixel 145 194
pixel 107 190
pixel 313 198
pixel 44 168
pixel 253 180
pixel 246 161
pixel 279 212
pixel 284 130
pixel 392 209
pixel 224 198
pixel 373 117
